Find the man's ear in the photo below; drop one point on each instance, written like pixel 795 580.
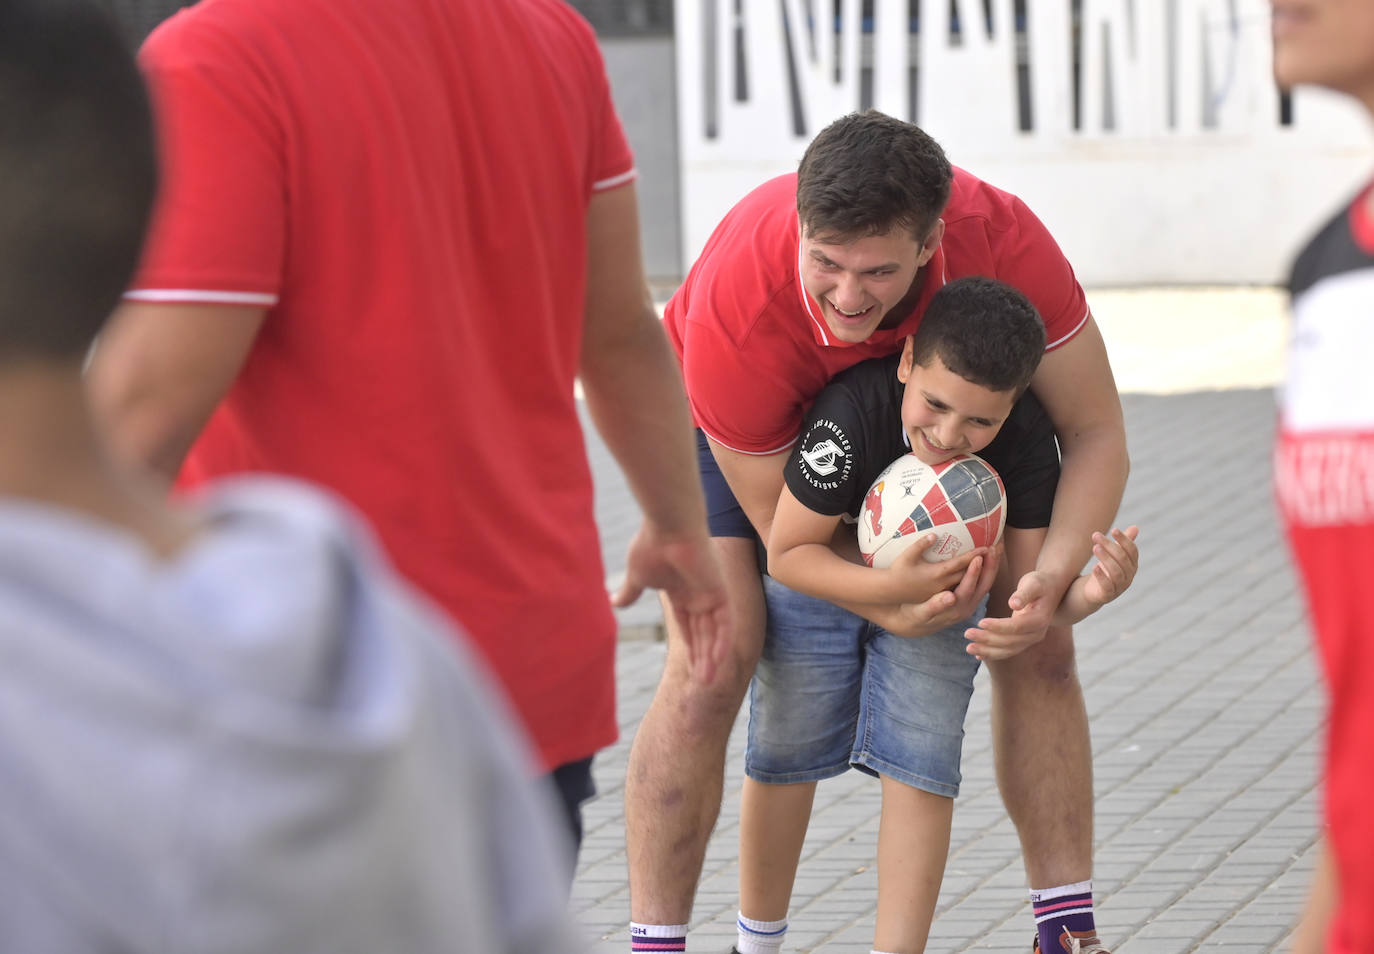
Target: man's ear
pixel 908 358
pixel 931 243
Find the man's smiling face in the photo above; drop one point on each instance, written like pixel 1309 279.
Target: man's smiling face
pixel 856 282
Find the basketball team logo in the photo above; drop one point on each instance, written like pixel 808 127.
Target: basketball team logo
pixel 825 455
pixel 822 457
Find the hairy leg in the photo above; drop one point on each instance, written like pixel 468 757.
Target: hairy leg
pixel 677 762
pixel 772 828
pixel 1044 759
pixel 913 843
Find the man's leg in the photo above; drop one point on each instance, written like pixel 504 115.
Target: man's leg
pixel 1044 770
pixel 573 783
pixel 677 762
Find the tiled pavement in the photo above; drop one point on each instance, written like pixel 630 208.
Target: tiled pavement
pixel 1204 707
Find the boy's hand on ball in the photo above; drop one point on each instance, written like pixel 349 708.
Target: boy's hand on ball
pixel 950 606
pixel 914 579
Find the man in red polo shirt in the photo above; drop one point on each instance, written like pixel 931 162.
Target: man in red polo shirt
pixel 390 236
pixel 807 275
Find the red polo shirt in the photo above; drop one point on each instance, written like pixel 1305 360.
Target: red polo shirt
pixel 754 348
pixel 404 186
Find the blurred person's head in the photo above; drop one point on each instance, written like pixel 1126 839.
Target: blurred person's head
pixel 870 191
pixel 77 175
pixel 1326 43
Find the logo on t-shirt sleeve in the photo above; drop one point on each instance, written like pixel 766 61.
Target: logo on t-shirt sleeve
pixel 826 454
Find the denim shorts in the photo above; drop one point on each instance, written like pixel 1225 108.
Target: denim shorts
pixel 833 690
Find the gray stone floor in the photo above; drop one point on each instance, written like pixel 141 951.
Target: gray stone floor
pixel 1204 707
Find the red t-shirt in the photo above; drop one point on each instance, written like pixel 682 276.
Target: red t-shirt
pixel 1324 478
pixel 405 186
pixel 754 348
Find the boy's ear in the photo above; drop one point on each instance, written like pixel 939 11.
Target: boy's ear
pixel 908 358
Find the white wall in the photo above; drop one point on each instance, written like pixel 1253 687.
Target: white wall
pixel 640 68
pixel 1180 171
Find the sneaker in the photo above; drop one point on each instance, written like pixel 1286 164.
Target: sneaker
pixel 1079 942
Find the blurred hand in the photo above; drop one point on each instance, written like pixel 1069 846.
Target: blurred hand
pixel 684 568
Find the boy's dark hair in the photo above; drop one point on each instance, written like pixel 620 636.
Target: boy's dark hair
pixel 867 173
pixel 983 330
pixel 77 174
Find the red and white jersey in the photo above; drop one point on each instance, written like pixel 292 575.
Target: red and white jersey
pixel 754 349
pixel 1324 479
pixel 405 187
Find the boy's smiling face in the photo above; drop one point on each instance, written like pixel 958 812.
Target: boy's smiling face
pixel 945 414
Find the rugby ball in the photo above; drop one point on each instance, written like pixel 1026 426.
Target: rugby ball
pixel 961 500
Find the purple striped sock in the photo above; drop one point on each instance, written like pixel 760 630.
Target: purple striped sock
pixel 1060 909
pixel 658 938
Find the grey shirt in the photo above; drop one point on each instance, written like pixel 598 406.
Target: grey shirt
pixel 268 744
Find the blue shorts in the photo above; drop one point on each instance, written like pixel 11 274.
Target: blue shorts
pixel 833 690
pixel 724 516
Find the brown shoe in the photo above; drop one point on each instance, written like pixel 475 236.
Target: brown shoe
pixel 1075 942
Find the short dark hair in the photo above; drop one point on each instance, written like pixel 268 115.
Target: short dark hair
pixel 78 173
pixel 867 173
pixel 983 330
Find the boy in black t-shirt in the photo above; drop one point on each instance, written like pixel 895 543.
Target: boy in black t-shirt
pixel 834 690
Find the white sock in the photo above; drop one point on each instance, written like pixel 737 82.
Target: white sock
pixel 760 937
pixel 1049 894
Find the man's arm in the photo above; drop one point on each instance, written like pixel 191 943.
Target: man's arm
pixel 1075 384
pixel 1118 558
pixel 635 397
pixel 158 372
pixel 999 635
pixel 1310 937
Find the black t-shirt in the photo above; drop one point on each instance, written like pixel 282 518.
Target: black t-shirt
pixel 854 430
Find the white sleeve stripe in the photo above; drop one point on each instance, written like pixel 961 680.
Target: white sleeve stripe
pixel 614 181
pixel 1076 329
pixel 765 453
pixel 200 295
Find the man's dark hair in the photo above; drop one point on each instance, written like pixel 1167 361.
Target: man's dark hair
pixel 77 174
pixel 983 330
pixel 866 174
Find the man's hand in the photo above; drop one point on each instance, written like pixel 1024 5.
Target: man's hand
pixel 684 568
pixel 1032 608
pixel 1118 558
pixel 949 606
